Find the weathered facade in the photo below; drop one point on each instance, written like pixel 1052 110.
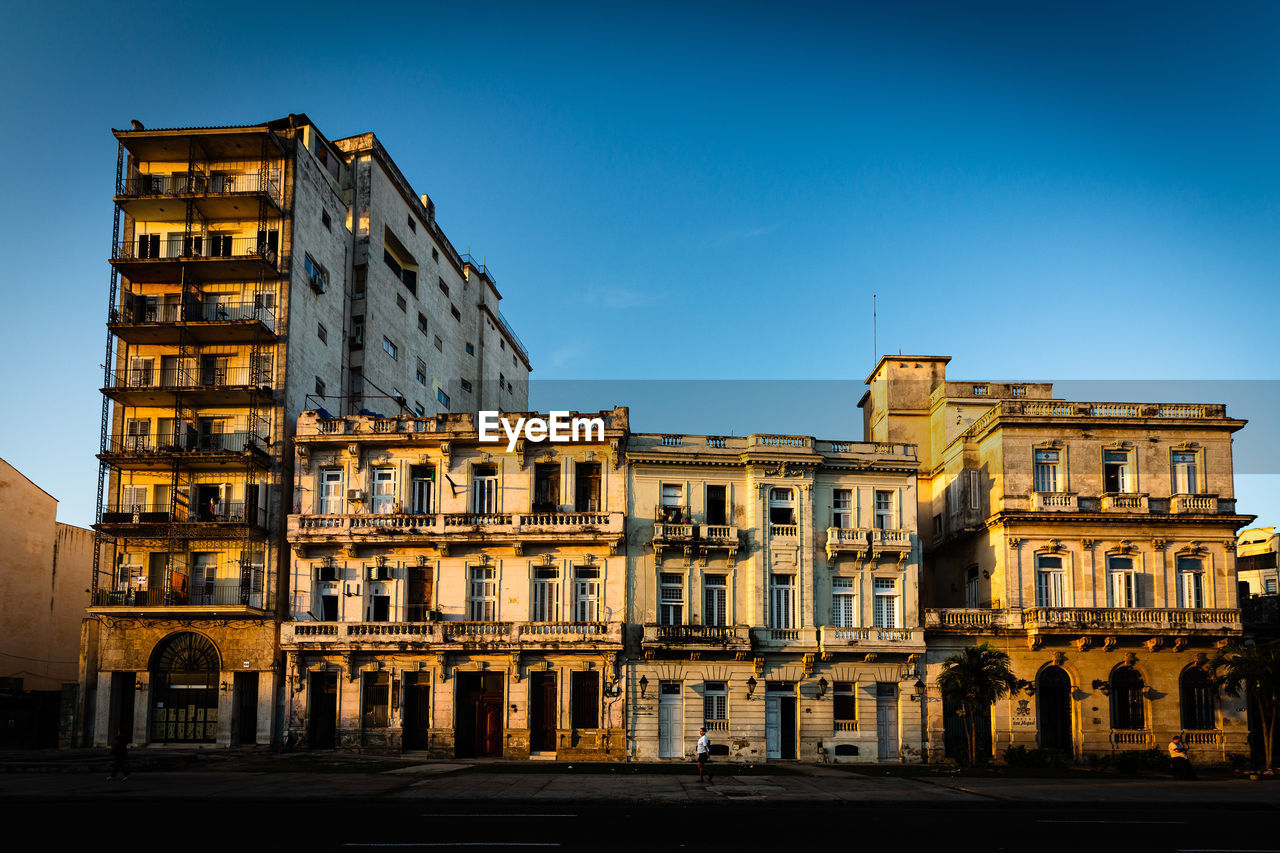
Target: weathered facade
pixel 1257 558
pixel 773 591
pixel 247 265
pixel 1093 542
pixel 452 597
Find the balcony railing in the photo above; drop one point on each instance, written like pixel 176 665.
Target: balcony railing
pixel 166 443
pixel 1130 737
pixel 780 530
pixel 1142 618
pixel 784 638
pixel 196 312
pixel 1124 502
pixel 187 377
pixel 139 185
pixel 451 633
pixel 445 525
pixel 888 539
pixel 244 591
pixel 1194 504
pixel 833 637
pixel 225 512
pixel 1053 502
pixel 965 619
pixel 727 636
pixel 846 539
pixel 195 248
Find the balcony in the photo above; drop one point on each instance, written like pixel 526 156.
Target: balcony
pixel 694 539
pixel 1125 502
pixel 444 529
pixel 191 450
pixel 195 322
pixel 1141 619
pixel 697 637
pixel 783 531
pixel 850 540
pixel 198 386
pixel 832 639
pixel 889 541
pixel 141 520
pixel 150 198
pixel 1052 502
pixel 221 594
pixel 785 639
pixel 173 259
pixel 965 620
pixel 448 635
pixel 1194 504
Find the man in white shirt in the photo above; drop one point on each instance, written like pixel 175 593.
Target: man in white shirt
pixel 703 753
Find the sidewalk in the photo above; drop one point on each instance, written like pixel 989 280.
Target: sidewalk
pixel 261 775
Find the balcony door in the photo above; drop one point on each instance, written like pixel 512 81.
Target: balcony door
pixel 780 720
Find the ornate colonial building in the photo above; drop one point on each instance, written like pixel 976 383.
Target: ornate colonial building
pixel 1094 542
pixel 773 598
pixel 256 271
pixel 449 596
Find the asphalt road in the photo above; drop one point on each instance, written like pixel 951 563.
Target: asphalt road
pixel 377 824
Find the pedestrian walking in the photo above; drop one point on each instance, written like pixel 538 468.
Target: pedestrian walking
pixel 1179 762
pixel 119 755
pixel 703 754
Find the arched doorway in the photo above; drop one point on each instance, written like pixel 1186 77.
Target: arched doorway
pixel 1053 709
pixel 184 690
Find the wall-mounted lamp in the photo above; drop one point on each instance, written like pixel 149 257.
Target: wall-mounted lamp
pixel 137 684
pixel 224 687
pixel 644 685
pixel 917 691
pixel 1104 686
pixel 822 687
pixel 751 685
pixel 1027 687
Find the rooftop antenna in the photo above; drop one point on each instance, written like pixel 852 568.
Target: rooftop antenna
pixel 875 348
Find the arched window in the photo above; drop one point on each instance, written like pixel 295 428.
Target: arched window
pixel 1126 699
pixel 1197 696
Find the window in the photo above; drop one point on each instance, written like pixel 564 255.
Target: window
pixel 842 508
pixel 782 506
pixel 374 699
pixel 420 372
pixel 844 707
pixel 1116 474
pixel 384 490
pixel 442 398
pixel 457 315
pixel 975 488
pixel 418 410
pixel 1049 581
pixel 886 612
pixel 435 254
pixel 421 486
pixel 714 600
pixel 406 271
pixel 546 594
pixel 587 487
pixel 884 510
pixel 401 303
pixel 317 275
pixel 357 332
pixel 322 333
pixel 358 282
pixel 1126 699
pixel 1018 391
pixel 484 489
pixel 586 594
pixel 509 388
pixel 844 603
pixel 390 348
pixel 439 343
pixel 330 491
pixel 672 500
pixel 979 390
pixel 546 487
pixel 502 380
pixel 502 344
pixel 671 599
pixel 466 386
pixel 319 387
pixel 379 608
pixel 471 350
pixel 138 435
pixel 482 594
pixel 971 589
pixel 715 705
pixel 1046 470
pixel 1190 582
pixel 413 225
pixel 1122 582
pixel 782 601
pixel 444 288
pixel 717 505
pixel 1184 473
pixel 325 220
pixel 586 699
pixel 1196 689
pixel 357 382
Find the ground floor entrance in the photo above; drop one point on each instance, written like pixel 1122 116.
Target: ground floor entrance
pixel 478 717
pixel 542 712
pixel 780 720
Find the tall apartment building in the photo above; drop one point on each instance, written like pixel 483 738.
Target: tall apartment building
pixel 1094 542
pixel 453 597
pixel 774 587
pixel 1258 561
pixel 250 267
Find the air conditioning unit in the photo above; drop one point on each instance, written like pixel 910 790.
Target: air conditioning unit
pixel 355 494
pixel 318 284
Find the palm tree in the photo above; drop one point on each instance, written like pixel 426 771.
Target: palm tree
pixel 1254 670
pixel 975 678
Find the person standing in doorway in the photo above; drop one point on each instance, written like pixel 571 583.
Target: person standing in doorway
pixel 703 754
pixel 1179 762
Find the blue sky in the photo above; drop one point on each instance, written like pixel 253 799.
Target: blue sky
pixel 669 191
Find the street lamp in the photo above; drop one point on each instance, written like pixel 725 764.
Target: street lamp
pixel 644 685
pixel 822 687
pixel 751 685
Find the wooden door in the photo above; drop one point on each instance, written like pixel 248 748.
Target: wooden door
pixel 542 712
pixel 324 710
pixel 886 722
